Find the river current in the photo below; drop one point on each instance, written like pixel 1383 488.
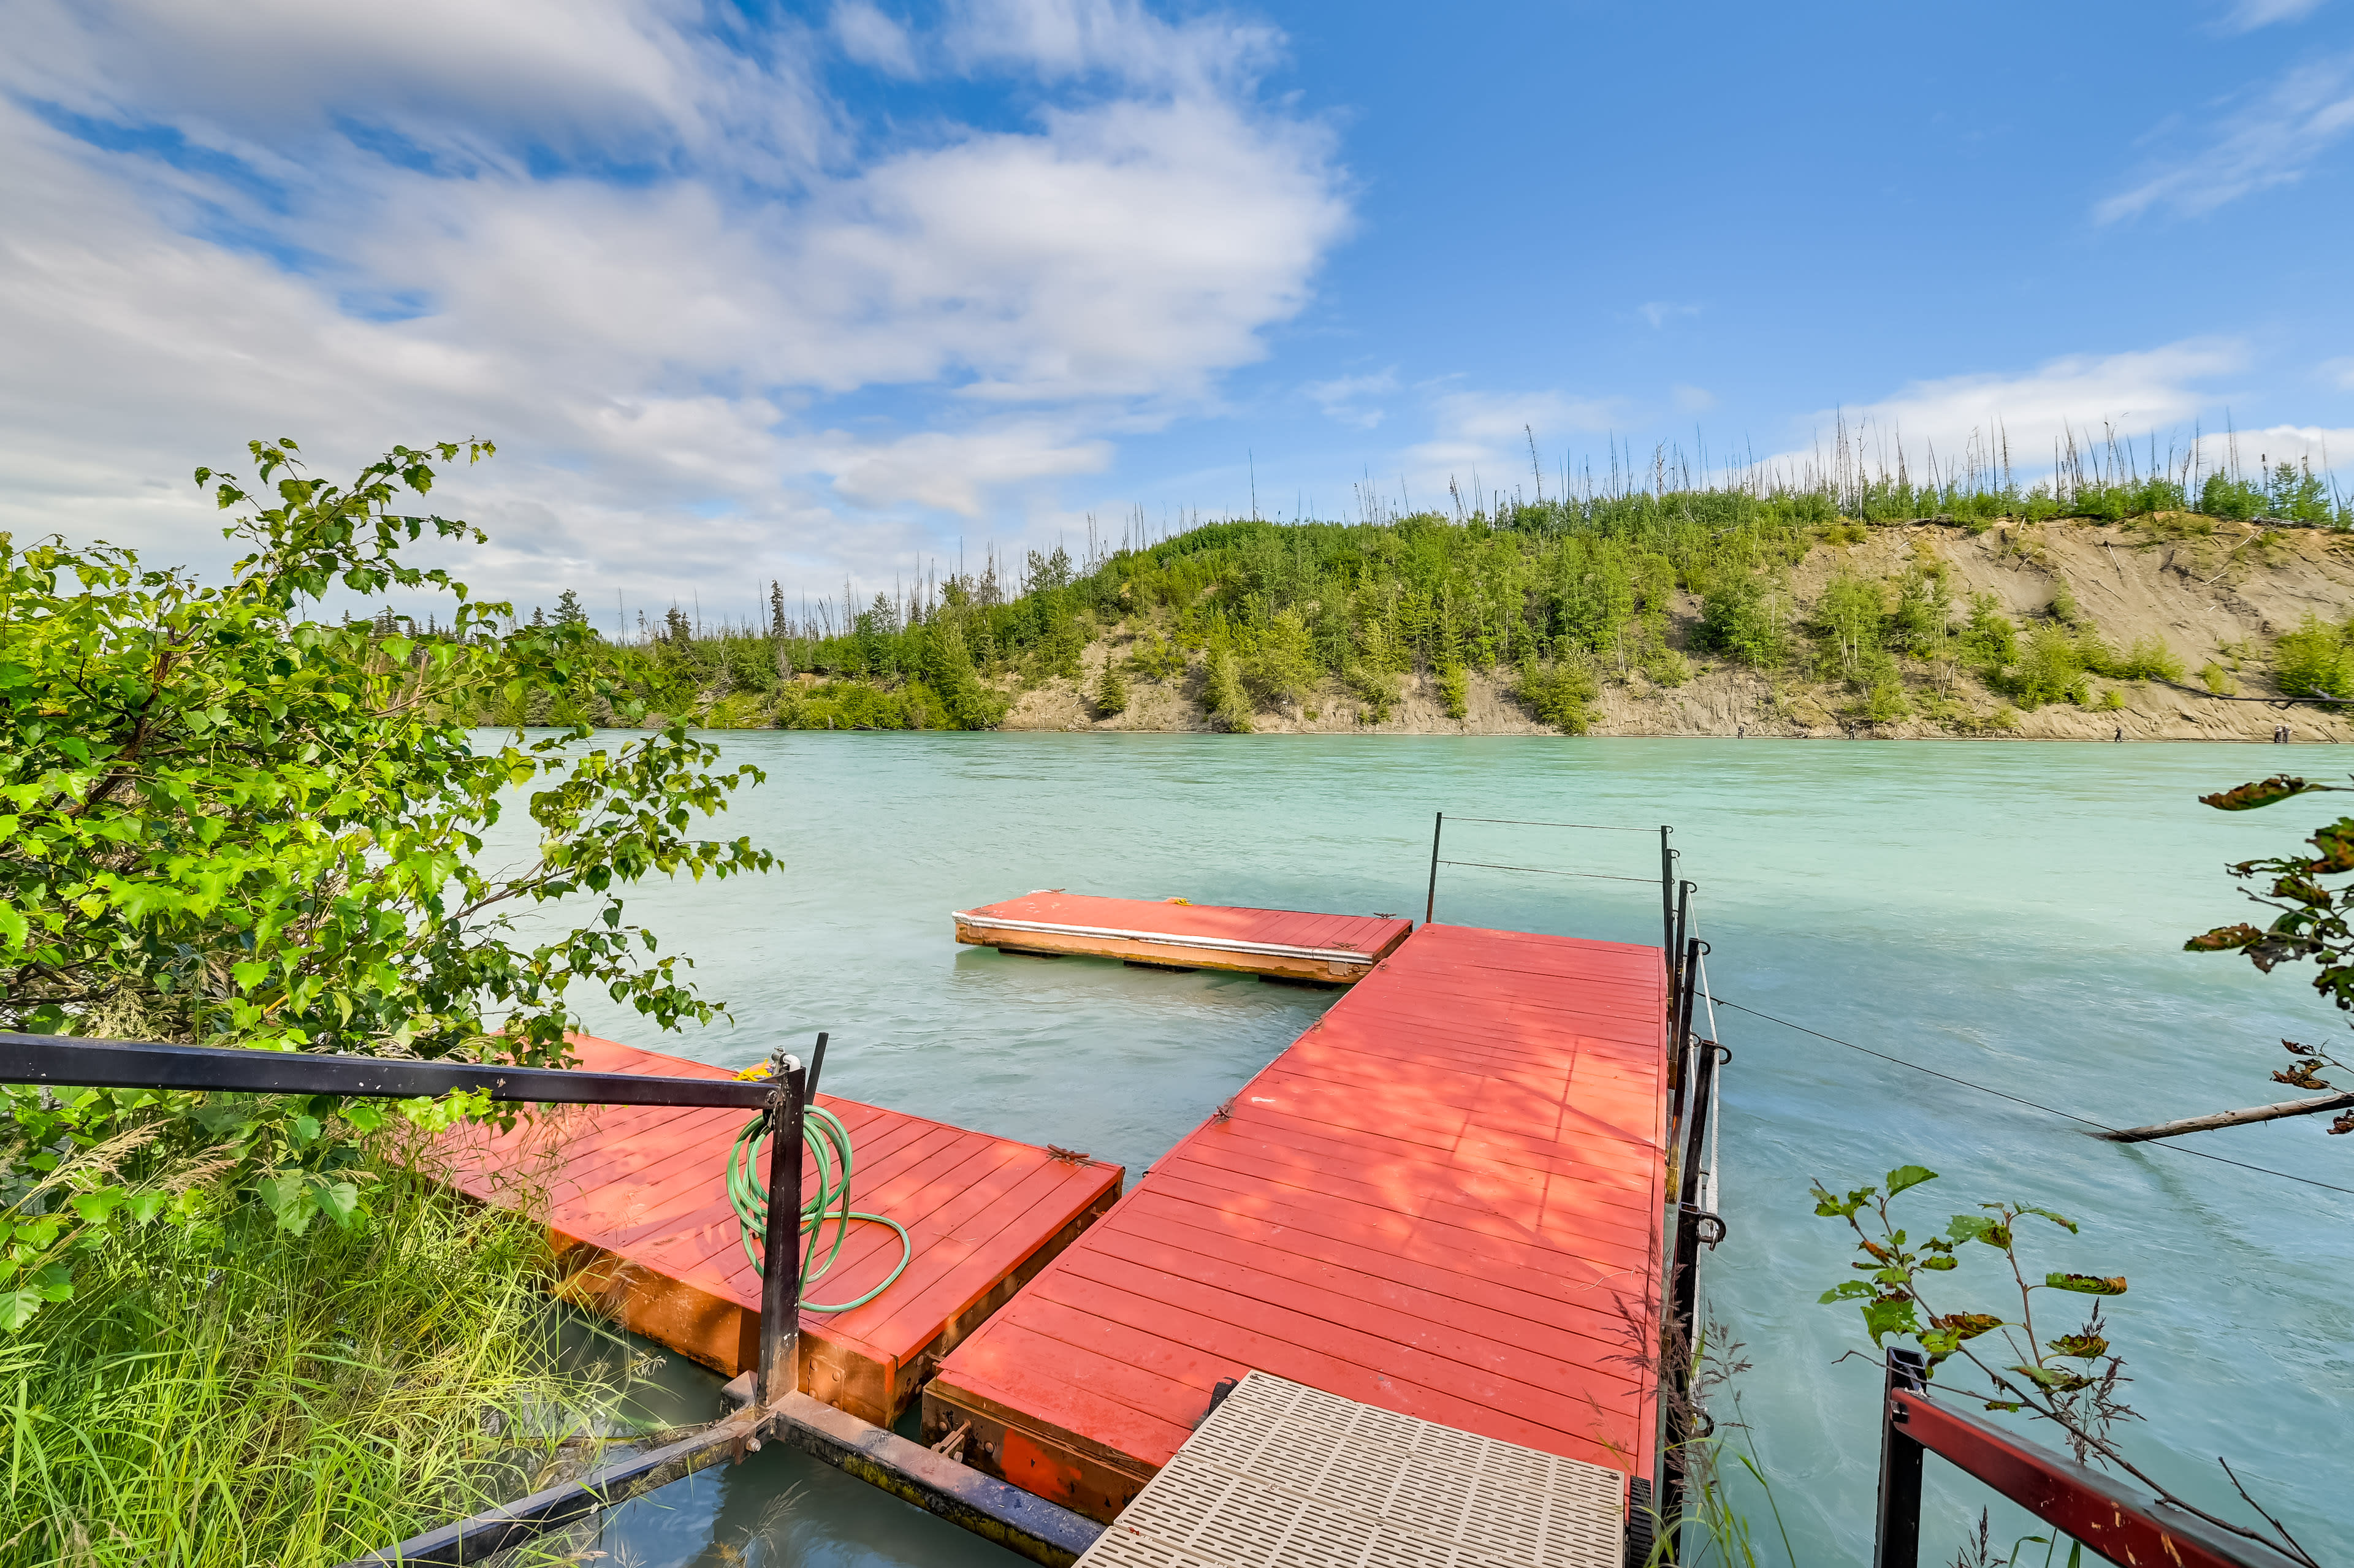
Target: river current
pixel 2009 914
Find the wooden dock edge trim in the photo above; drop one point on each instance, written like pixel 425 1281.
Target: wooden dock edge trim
pixel 1169 955
pixel 1028 928
pixel 985 1306
pixel 1070 1471
pixel 968 1498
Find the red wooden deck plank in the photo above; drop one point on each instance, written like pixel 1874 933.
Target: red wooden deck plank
pixel 646 1187
pixel 1444 1198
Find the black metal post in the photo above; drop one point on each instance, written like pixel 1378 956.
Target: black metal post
pixel 1682 1040
pixel 817 1065
pixel 1682 929
pixel 1896 1539
pixel 1679 1335
pixel 1668 905
pixel 1437 822
pixel 780 1247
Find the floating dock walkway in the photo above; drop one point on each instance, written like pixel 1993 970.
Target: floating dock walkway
pixel 1444 1200
pixel 638 1196
pixel 1284 944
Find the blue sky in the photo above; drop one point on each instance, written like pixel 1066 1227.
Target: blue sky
pixel 825 291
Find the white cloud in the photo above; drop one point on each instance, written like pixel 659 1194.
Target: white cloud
pixel 2338 372
pixel 1117 39
pixel 2253 452
pixel 954 472
pixel 2249 15
pixel 654 329
pixel 1692 399
pixel 1491 430
pixel 2270 142
pixel 1347 399
pixel 872 38
pixel 1958 417
pixel 1660 313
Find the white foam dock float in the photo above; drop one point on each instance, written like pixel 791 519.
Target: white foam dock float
pixel 1282 1476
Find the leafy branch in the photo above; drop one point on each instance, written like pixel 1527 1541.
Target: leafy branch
pixel 2070 1379
pixel 2311 923
pixel 227 819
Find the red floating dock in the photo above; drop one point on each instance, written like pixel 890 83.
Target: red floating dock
pixel 1444 1200
pixel 638 1194
pixel 1291 944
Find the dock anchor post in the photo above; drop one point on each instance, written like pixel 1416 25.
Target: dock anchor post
pixel 780 1247
pixel 1429 904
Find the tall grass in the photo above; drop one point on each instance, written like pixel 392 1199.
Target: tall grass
pixel 234 1395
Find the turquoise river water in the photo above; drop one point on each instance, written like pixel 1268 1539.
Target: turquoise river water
pixel 2010 914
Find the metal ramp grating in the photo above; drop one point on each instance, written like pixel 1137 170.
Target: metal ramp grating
pixel 1280 1476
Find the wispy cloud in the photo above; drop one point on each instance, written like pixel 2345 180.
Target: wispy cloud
pixel 2029 413
pixel 2269 143
pixel 873 38
pixel 2249 15
pixel 1350 400
pixel 1660 313
pixel 1491 431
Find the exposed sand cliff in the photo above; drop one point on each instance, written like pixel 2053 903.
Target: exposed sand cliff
pixel 2217 597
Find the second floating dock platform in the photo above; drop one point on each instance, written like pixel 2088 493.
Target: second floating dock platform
pixel 1282 944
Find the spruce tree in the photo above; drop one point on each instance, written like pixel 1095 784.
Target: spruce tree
pixel 1111 690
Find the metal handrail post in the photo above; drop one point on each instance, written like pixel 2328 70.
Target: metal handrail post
pixel 1430 903
pixel 1668 901
pixel 1681 1042
pixel 1896 1536
pixel 1679 1333
pixel 781 1255
pixel 1683 929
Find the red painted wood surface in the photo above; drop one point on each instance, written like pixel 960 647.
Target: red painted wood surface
pixel 1443 1199
pixel 648 1185
pixel 1369 935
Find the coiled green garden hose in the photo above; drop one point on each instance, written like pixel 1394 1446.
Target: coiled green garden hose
pixel 747 1189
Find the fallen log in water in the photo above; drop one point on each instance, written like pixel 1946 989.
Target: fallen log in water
pixel 2228 1118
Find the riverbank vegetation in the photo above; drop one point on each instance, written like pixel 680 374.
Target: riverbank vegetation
pixel 229 820
pixel 1550 602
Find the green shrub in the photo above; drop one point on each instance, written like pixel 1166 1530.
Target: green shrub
pixel 2316 660
pixel 1281 668
pixel 1988 639
pixel 2049 669
pixel 1377 688
pixel 1741 619
pixel 1559 694
pixel 1223 693
pixel 1156 658
pixel 1850 613
pixel 2150 659
pixel 1454 688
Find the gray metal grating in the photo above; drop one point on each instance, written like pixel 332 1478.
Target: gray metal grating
pixel 1282 1476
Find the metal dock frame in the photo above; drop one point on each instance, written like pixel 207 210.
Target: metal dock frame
pixel 1014 1518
